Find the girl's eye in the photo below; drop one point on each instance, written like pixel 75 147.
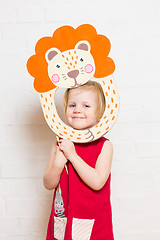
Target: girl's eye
pixel 72 105
pixel 81 59
pixel 57 66
pixel 87 106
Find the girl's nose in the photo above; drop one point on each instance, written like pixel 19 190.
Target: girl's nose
pixel 77 109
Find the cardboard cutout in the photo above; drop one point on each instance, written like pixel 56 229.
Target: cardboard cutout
pixel 68 59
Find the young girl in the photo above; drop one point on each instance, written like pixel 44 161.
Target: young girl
pixel 80 173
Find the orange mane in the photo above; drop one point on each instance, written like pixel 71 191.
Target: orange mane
pixel 65 38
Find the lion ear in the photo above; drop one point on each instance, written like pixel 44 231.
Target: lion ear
pixel 83 45
pixel 51 53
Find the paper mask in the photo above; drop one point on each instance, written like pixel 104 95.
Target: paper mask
pixel 68 59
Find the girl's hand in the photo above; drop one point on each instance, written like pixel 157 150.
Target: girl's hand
pixel 54 168
pixel 60 158
pixel 68 148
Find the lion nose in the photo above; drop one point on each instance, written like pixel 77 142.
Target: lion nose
pixel 73 74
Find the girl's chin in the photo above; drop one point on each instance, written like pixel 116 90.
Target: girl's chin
pixel 80 127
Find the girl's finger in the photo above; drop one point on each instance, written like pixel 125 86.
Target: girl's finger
pixel 61 147
pixel 60 141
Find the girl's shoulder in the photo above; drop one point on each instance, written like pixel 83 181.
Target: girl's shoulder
pixel 103 140
pixel 101 143
pixel 106 143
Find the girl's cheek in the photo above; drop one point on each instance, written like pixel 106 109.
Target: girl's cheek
pixel 67 116
pixel 55 78
pixel 88 68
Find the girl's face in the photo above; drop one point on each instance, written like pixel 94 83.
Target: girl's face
pixel 81 108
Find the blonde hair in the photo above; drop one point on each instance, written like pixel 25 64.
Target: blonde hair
pixel 91 86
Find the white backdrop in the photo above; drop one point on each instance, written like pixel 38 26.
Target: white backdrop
pixel 133 28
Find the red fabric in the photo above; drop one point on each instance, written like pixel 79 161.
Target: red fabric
pixel 82 202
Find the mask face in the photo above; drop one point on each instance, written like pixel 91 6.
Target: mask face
pixel 54 68
pixel 71 68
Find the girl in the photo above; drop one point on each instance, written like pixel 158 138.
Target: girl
pixel 80 173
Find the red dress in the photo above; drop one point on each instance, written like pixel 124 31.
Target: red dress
pixel 78 212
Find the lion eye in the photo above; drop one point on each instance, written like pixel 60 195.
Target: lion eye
pixel 81 59
pixel 57 66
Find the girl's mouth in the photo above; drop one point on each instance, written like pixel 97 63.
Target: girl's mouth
pixel 78 117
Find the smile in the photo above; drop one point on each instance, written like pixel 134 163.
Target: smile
pixel 77 117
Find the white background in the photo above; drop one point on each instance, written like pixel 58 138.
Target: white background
pixel 133 28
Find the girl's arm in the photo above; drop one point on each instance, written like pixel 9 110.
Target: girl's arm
pixel 96 177
pixel 54 168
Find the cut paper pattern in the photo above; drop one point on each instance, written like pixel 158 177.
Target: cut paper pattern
pixel 67 60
